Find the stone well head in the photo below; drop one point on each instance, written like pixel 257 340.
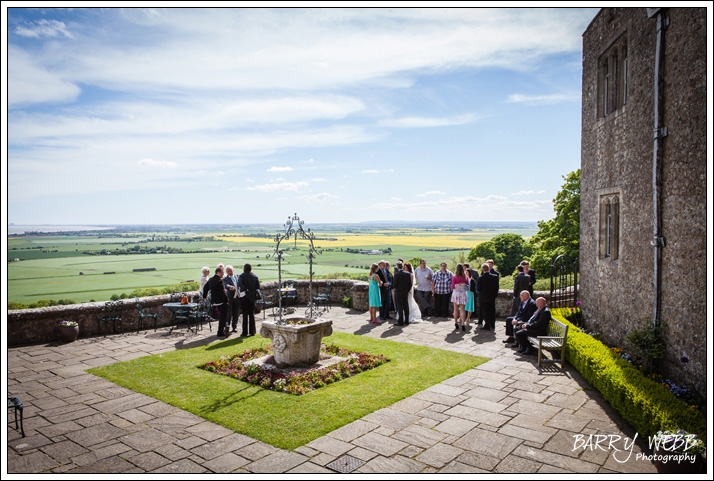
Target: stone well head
pixel 297 340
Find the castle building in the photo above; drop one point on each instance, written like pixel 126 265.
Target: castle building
pixel 643 253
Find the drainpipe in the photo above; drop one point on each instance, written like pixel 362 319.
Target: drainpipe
pixel 658 240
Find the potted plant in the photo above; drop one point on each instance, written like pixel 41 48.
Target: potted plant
pixel 678 452
pixel 68 330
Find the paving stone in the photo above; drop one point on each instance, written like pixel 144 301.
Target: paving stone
pixel 257 450
pixel 557 460
pixel 437 398
pixel 54 430
pixel 433 415
pixel 148 461
pixel 410 405
pixel 526 434
pixel 161 409
pixel 27 443
pixel 565 421
pixel 396 464
pixel 486 393
pixel 534 409
pixel 35 462
pixel 146 440
pixel 113 464
pixel 484 405
pixel 411 451
pixel 172 452
pixel 419 436
pixel 478 415
pixel 427 422
pixel 305 451
pixel 310 468
pixel 278 462
pixel 93 435
pixel 225 463
pixel 189 442
pixel 439 455
pixel 391 419
pixel 208 431
pixel 514 464
pixel 380 444
pixel 478 460
pixel 100 453
pixel 456 467
pixel 574 401
pixel 353 430
pixel 135 416
pixel 183 466
pixel 330 446
pixel 124 403
pixel 488 443
pixel 447 389
pixel 361 453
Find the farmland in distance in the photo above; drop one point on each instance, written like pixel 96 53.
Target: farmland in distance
pixel 94 265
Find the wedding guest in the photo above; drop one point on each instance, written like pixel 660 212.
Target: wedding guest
pixel 375 295
pixel 205 272
pixel 219 300
pixel 384 289
pixel 441 288
pixel 488 291
pixel 423 275
pixel 521 282
pixel 530 273
pixel 470 293
pixel 231 283
pixel 250 284
pixel 459 297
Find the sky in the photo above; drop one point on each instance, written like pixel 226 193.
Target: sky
pixel 158 116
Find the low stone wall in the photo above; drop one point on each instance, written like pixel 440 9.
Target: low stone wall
pixel 32 326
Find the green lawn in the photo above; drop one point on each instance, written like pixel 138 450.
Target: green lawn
pixel 285 420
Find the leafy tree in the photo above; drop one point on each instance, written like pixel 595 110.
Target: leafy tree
pixel 506 250
pixel 560 235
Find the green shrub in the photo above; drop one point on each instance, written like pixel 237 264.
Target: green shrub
pixel 644 403
pixel 347 302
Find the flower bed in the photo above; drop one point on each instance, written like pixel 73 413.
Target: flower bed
pixel 293 382
pixel 643 402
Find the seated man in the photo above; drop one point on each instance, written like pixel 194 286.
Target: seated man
pixel 526 309
pixel 536 326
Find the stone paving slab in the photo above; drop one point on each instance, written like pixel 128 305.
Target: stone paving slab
pixel 505 416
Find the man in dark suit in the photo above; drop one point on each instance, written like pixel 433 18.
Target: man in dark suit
pixel 526 309
pixel 530 273
pixel 487 292
pixel 219 300
pixel 536 326
pixel 231 284
pixel 385 290
pixel 521 283
pixel 249 283
pixel 491 269
pixel 402 287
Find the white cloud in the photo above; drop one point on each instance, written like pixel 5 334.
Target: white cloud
pixel 318 198
pixel 318 179
pixel 278 186
pixel 157 163
pixel 411 122
pixel 430 193
pixel 280 169
pixel 28 82
pixel 528 192
pixel 370 171
pixel 542 99
pixel 43 29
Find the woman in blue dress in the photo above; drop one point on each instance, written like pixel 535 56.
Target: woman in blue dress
pixel 375 298
pixel 470 304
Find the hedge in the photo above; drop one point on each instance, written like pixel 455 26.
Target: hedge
pixel 644 403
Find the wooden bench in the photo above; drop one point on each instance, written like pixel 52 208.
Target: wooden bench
pixel 554 340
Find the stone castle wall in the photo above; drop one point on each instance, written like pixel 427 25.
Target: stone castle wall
pixel 617 156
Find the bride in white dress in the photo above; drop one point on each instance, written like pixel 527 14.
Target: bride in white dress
pixel 414 311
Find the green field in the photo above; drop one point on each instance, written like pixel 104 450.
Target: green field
pixel 70 266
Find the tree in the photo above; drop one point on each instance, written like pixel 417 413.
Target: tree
pixel 561 234
pixel 507 251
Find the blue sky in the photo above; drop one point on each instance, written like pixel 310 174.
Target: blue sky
pixel 138 116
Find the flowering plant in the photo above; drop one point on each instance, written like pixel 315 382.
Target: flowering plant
pixel 680 441
pixel 68 323
pixel 293 382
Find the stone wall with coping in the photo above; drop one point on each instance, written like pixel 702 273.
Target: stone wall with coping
pixel 32 326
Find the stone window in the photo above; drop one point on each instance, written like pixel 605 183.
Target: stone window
pixel 612 77
pixel 609 242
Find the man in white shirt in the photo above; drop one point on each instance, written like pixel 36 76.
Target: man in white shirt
pixel 422 275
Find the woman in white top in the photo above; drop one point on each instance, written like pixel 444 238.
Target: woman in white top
pixel 414 311
pixel 205 271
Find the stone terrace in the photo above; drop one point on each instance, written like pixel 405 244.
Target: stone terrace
pixel 504 416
